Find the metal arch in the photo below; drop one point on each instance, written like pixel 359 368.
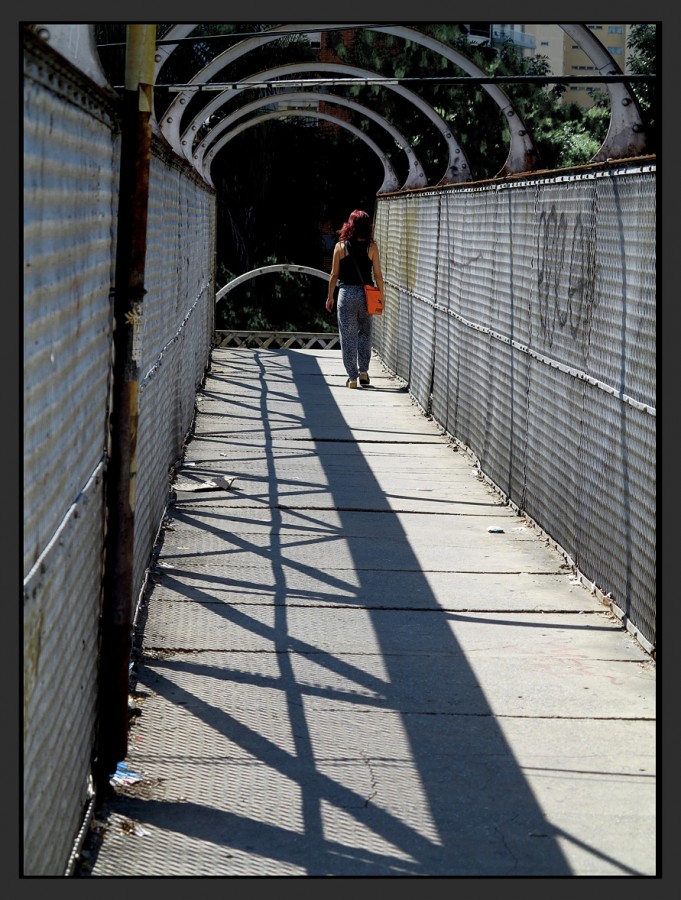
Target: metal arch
pixel 170 126
pixel 416 176
pixel 522 156
pixel 75 42
pixel 626 135
pixel 390 180
pixel 177 32
pixel 265 270
pixel 457 163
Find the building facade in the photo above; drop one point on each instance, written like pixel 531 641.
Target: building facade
pixel 563 54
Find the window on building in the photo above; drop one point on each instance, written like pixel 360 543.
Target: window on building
pixel 596 27
pixel 544 43
pixel 615 29
pixel 616 51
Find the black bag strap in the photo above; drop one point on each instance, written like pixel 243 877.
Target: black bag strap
pixel 354 261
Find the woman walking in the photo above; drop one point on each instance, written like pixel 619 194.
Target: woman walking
pixel 355 256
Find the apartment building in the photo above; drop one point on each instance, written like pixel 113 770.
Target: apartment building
pixel 563 54
pixel 566 58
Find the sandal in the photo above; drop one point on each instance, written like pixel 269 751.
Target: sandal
pixel 364 379
pixel 350 384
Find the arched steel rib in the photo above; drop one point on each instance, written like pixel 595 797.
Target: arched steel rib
pixel 626 135
pixel 457 163
pixel 265 270
pixel 522 156
pixel 390 180
pixel 416 176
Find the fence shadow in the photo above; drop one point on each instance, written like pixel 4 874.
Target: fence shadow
pixel 327 711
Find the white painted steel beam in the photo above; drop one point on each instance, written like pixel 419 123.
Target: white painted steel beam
pixel 457 170
pixel 390 180
pixel 626 135
pixel 266 270
pixel 522 156
pixel 76 43
pixel 416 176
pixel 163 51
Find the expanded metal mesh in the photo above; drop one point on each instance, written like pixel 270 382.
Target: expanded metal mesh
pixel 61 627
pixel 533 343
pixel 178 333
pixel 305 340
pixel 522 315
pixel 70 203
pixel 71 166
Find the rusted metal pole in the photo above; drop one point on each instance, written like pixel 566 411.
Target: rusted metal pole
pixel 117 601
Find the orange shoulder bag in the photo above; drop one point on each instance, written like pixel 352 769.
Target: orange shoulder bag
pixel 372 294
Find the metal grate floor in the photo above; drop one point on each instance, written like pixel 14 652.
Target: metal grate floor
pixel 340 670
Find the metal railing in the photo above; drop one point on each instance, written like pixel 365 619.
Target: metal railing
pixel 305 340
pixel 71 189
pixel 523 317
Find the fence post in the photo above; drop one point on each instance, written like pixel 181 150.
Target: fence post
pixel 118 586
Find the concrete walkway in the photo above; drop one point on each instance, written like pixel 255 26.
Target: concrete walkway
pixel 355 661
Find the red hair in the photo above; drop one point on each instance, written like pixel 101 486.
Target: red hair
pixel 358 225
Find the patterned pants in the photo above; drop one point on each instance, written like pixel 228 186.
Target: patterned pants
pixel 354 328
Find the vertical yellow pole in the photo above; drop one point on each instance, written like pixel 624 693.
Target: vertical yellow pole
pixel 128 312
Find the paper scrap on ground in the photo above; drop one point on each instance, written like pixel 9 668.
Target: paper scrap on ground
pixel 218 482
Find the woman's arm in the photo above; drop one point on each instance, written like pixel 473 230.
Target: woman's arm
pixel 333 277
pixel 375 258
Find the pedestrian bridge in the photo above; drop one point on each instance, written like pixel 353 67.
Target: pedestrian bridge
pixel 354 658
pixel 518 343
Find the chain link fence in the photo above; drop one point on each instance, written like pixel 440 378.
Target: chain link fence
pixel 522 314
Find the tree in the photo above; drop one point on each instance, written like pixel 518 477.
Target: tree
pixel 285 186
pixel 643 41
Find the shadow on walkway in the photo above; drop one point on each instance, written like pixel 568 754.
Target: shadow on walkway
pixel 329 653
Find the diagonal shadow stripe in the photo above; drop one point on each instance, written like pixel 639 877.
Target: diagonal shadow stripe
pixel 478 815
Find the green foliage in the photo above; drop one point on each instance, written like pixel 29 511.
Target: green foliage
pixel 568 135
pixel 274 301
pixel 285 186
pixel 643 42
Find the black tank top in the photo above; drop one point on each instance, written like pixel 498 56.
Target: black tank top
pixel 347 273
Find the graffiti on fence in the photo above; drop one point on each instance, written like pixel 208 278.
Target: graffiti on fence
pixel 566 274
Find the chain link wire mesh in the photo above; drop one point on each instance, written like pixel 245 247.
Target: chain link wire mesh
pixel 523 317
pixel 71 165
